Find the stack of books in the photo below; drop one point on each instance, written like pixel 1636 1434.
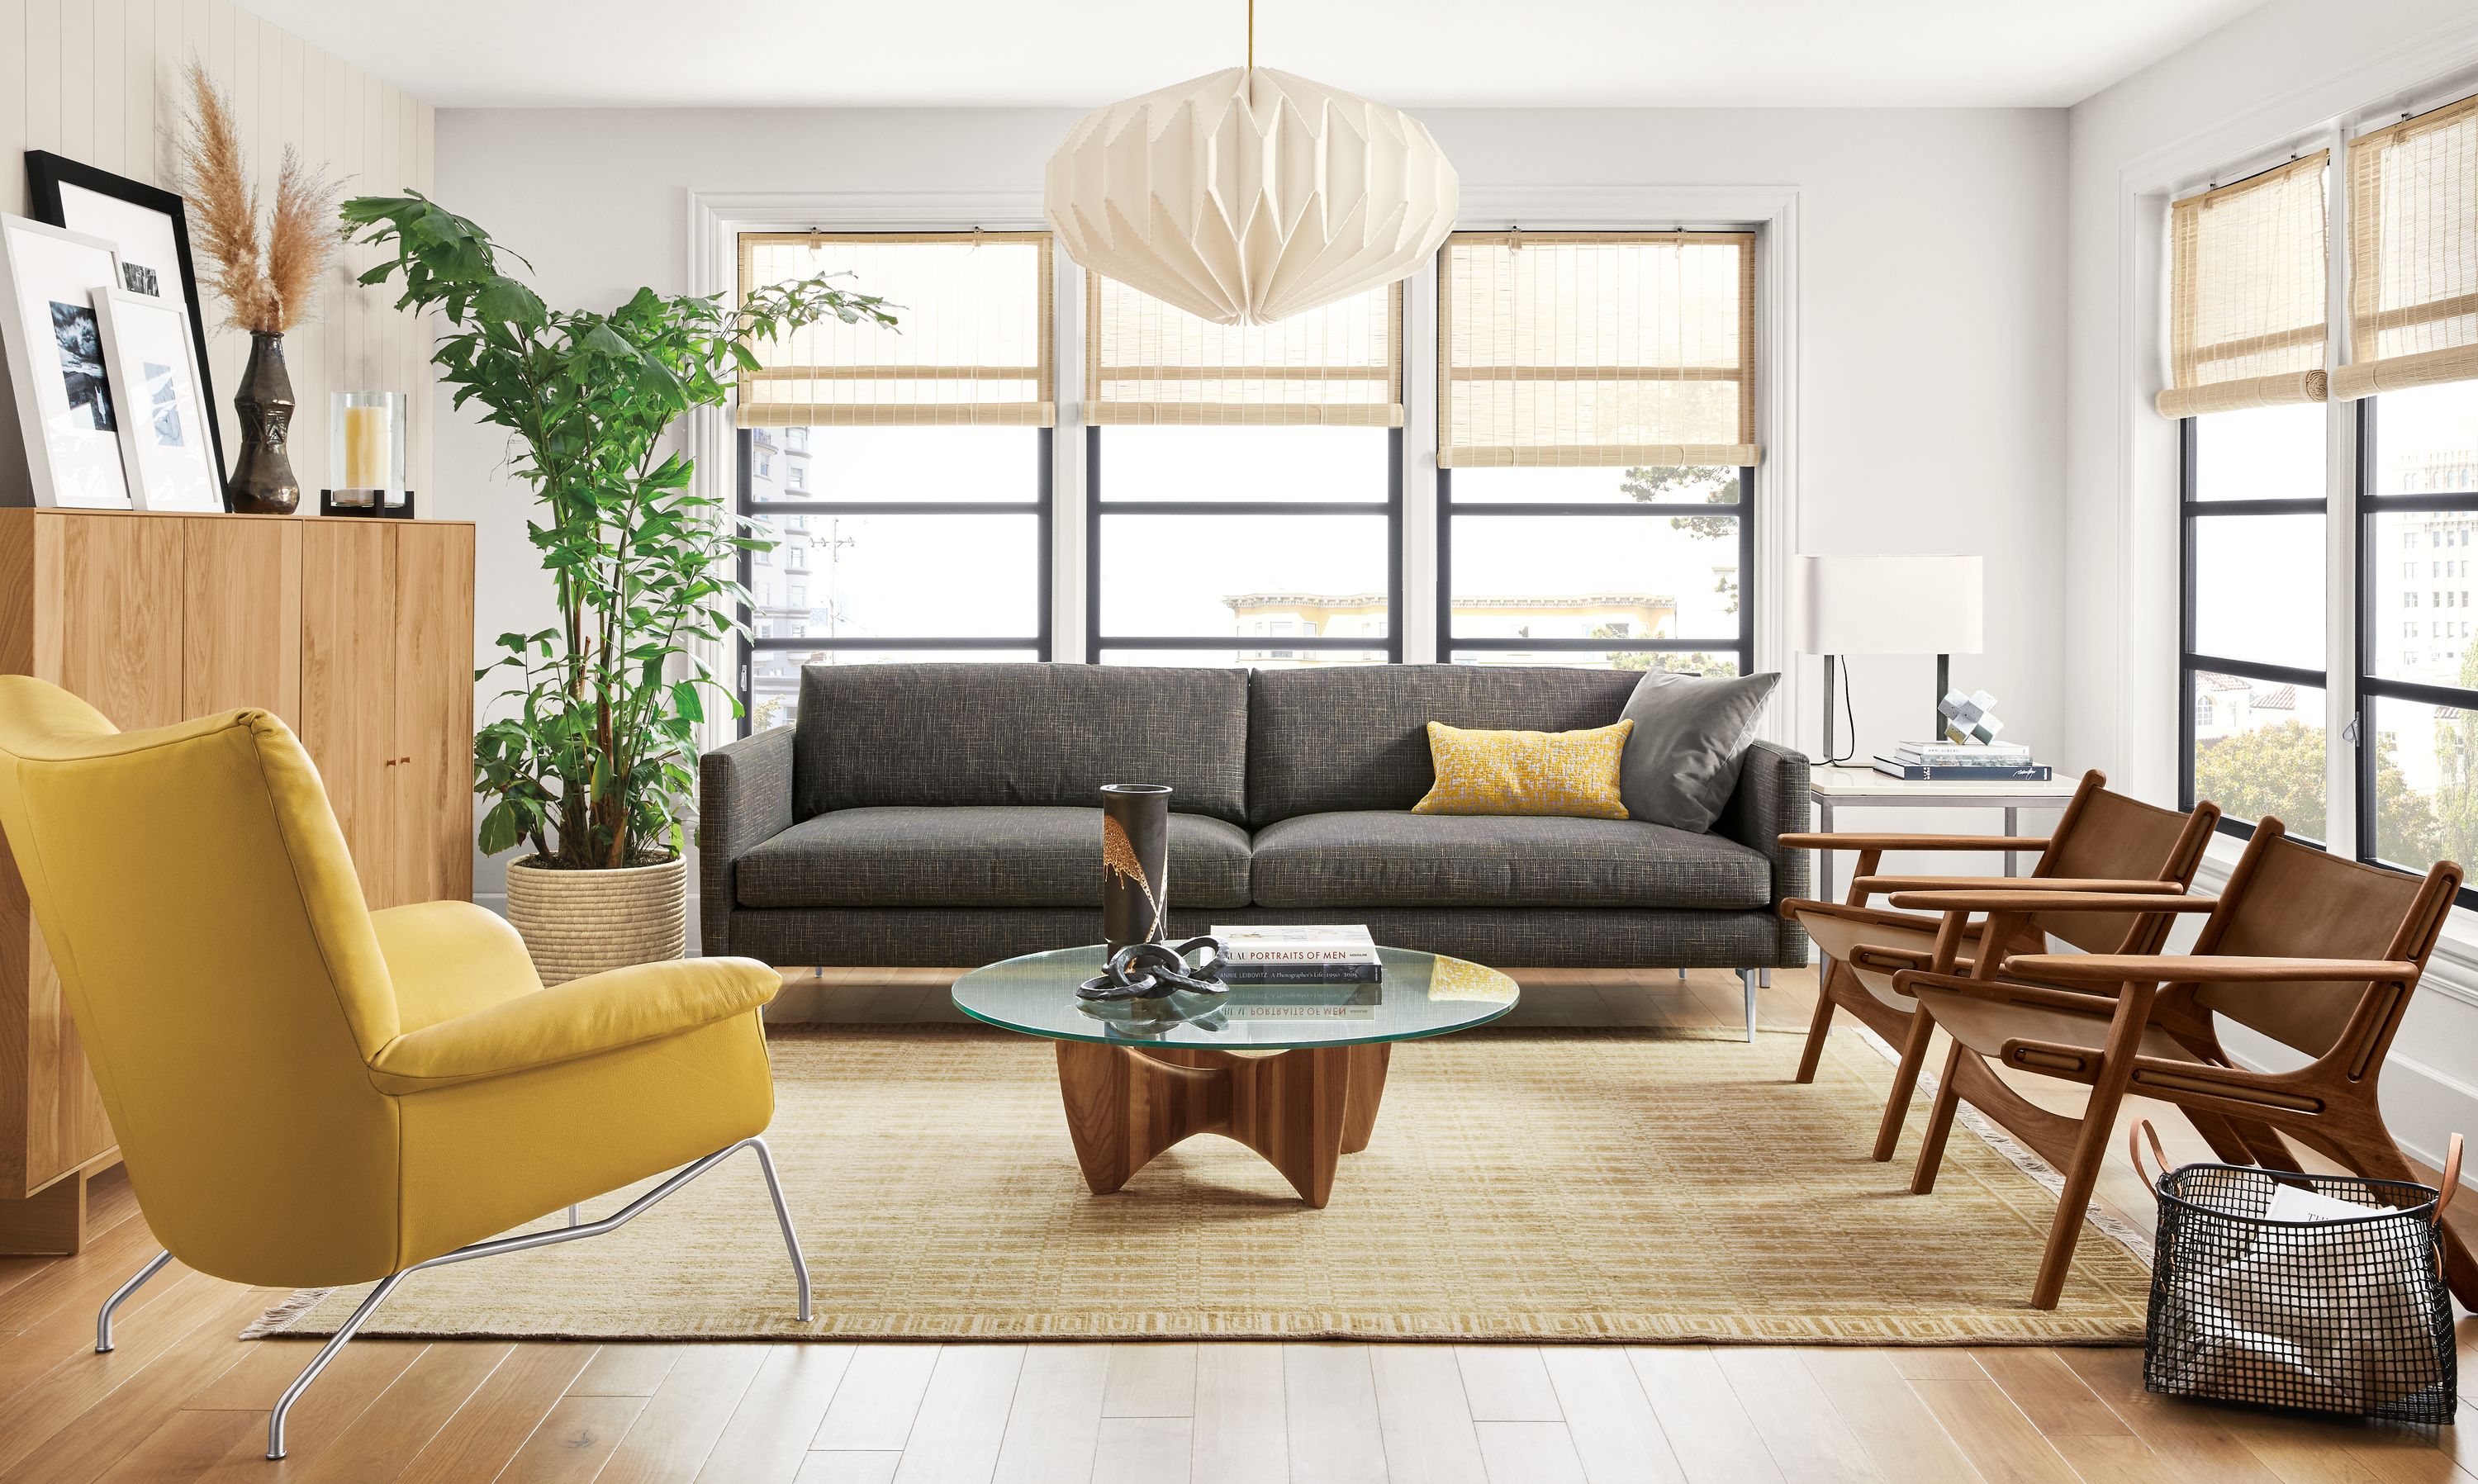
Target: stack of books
pixel 1948 762
pixel 1332 954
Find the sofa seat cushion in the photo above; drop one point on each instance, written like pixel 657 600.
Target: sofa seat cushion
pixel 976 856
pixel 1385 858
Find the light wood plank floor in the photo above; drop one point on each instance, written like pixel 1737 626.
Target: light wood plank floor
pixel 182 1400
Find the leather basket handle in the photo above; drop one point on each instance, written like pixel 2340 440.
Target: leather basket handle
pixel 2142 1130
pixel 2451 1179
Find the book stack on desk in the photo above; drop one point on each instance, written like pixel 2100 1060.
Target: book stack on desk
pixel 1946 762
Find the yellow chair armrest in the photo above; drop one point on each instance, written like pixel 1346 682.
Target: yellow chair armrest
pixel 449 959
pixel 585 1017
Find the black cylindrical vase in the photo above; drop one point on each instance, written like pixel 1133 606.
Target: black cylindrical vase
pixel 262 482
pixel 1135 862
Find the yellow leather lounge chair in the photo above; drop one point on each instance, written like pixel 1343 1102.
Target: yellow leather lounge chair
pixel 308 1093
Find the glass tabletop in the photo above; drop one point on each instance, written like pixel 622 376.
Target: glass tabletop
pixel 1422 994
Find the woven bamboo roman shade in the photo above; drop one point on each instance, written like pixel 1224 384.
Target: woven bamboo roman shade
pixel 970 343
pixel 1147 360
pixel 2414 254
pixel 1605 350
pixel 2247 285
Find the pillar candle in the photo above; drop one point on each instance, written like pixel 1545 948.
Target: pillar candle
pixel 367 440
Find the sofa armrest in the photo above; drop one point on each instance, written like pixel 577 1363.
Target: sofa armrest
pixel 744 799
pixel 1772 801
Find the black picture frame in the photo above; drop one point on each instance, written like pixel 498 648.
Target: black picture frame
pixel 46 173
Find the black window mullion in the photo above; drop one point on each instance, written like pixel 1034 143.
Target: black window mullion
pixel 1742 645
pixel 1040 507
pixel 2366 761
pixel 1096 506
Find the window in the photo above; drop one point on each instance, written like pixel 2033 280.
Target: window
pixel 2247 327
pixel 1244 483
pixel 1596 449
pixel 2249 272
pixel 903 474
pixel 2253 663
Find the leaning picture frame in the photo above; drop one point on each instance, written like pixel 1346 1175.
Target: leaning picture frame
pixel 150 228
pixel 51 345
pixel 163 413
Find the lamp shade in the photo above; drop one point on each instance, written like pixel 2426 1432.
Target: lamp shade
pixel 1249 195
pixel 1886 605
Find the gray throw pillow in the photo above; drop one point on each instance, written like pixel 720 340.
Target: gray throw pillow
pixel 1682 761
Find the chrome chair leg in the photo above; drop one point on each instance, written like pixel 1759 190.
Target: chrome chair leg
pixel 783 1218
pixel 1747 977
pixel 344 1332
pixel 520 1243
pixel 572 1215
pixel 121 1295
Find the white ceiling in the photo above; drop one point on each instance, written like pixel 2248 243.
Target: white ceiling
pixel 1411 53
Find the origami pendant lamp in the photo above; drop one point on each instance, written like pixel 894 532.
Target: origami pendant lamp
pixel 1249 195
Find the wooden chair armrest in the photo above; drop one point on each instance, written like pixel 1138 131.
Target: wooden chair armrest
pixel 2007 901
pixel 1894 961
pixel 2004 991
pixel 1841 841
pixel 1875 885
pixel 2200 969
pixel 1800 906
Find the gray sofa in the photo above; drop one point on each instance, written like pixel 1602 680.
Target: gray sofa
pixel 946 815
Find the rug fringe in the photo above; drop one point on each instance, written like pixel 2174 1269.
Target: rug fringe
pixel 284 1316
pixel 2134 1239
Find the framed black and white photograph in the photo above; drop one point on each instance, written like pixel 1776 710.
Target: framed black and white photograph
pixel 68 409
pixel 149 230
pixel 162 411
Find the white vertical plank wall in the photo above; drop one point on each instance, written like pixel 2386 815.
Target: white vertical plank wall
pixel 101 81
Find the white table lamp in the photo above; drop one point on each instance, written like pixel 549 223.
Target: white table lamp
pixel 1886 605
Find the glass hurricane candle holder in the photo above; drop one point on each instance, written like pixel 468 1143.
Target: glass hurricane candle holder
pixel 366 454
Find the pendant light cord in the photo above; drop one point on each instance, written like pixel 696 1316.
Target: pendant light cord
pixel 1252 35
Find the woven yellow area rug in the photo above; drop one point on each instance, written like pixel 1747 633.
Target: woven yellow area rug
pixel 1521 1185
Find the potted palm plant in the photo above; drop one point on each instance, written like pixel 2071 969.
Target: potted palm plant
pixel 593 760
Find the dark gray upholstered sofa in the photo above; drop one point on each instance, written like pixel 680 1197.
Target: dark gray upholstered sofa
pixel 938 815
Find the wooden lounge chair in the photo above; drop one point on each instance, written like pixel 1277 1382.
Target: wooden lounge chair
pixel 2318 953
pixel 2105 842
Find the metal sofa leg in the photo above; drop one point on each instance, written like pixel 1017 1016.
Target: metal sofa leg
pixel 1747 977
pixel 121 1295
pixel 521 1242
pixel 1681 976
pixel 1763 978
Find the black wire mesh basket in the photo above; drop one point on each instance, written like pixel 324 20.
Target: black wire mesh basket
pixel 2347 1316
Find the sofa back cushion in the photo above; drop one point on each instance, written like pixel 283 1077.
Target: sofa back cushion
pixel 894 735
pixel 1356 737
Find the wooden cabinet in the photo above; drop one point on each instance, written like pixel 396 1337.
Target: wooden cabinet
pixel 359 634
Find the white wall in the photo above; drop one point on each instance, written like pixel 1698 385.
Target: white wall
pixel 2255 86
pixel 1930 341
pixel 103 82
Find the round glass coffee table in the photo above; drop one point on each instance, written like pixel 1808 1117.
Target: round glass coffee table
pixel 1293 1072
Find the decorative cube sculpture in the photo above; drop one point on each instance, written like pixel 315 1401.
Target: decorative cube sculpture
pixel 1969 718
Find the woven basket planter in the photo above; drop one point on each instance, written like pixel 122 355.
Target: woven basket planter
pixel 579 922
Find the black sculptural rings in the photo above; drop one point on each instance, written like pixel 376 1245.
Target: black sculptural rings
pixel 1153 970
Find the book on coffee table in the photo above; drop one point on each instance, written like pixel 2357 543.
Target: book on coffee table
pixel 1299 954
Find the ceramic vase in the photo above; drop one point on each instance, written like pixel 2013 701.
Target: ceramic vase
pixel 1135 863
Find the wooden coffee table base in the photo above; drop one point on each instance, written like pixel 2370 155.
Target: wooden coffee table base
pixel 1302 1110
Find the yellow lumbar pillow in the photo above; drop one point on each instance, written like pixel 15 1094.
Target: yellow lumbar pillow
pixel 1570 774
